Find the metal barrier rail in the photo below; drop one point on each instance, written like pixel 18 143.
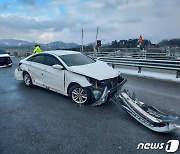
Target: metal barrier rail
pixel 146 63
pixel 148 53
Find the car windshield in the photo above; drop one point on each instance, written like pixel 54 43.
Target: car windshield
pixel 2 51
pixel 76 59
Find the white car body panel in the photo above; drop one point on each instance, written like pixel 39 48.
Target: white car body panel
pixel 59 80
pixel 18 74
pixel 54 78
pixel 36 73
pixel 61 52
pixel 4 55
pixel 75 78
pixel 6 65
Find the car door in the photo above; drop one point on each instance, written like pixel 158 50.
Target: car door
pixel 36 69
pixel 53 78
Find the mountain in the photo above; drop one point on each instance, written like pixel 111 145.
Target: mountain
pixel 59 45
pixel 14 43
pixel 170 43
pixel 50 46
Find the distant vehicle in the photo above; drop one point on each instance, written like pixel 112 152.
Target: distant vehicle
pixel 5 59
pixel 70 73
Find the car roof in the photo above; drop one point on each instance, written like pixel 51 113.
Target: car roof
pixel 61 52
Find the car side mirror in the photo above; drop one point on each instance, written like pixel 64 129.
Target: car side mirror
pixel 56 66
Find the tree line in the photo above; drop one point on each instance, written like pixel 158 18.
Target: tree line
pixel 132 43
pixel 170 43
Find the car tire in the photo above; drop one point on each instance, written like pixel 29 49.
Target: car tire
pixel 80 95
pixel 27 79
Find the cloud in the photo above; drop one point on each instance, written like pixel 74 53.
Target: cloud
pixel 94 5
pixel 132 20
pixel 4 7
pixel 117 19
pixel 62 1
pixel 46 36
pixel 22 23
pixel 28 2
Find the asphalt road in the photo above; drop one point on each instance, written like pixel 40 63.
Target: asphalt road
pixel 35 120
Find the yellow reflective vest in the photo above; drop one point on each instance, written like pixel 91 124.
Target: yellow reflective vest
pixel 37 50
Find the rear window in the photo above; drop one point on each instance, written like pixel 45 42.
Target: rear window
pixel 2 51
pixel 37 59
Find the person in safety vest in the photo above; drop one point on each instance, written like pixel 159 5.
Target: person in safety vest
pixel 37 49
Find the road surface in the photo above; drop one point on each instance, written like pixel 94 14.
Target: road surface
pixel 35 120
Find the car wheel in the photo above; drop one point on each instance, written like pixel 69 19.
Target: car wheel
pixel 79 94
pixel 27 79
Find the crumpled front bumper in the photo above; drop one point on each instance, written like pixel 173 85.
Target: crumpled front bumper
pixel 107 93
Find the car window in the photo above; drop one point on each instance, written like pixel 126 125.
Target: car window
pixel 76 59
pixel 37 59
pixel 51 60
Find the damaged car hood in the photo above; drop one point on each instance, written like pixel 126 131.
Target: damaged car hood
pixel 98 70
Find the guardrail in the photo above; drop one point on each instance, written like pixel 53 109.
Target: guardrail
pixel 148 53
pixel 146 63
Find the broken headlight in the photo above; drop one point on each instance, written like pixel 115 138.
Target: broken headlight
pixel 97 94
pixel 92 81
pixel 96 88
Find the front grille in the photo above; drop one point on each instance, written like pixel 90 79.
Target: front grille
pixel 5 61
pixel 111 83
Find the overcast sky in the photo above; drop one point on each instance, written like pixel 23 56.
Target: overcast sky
pixel 44 21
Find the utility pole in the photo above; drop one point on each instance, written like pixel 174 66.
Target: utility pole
pixel 96 47
pixel 82 49
pixel 97 33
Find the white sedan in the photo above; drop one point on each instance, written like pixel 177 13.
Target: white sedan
pixel 70 73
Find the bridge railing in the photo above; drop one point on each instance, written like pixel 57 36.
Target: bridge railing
pixel 144 63
pixel 148 53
